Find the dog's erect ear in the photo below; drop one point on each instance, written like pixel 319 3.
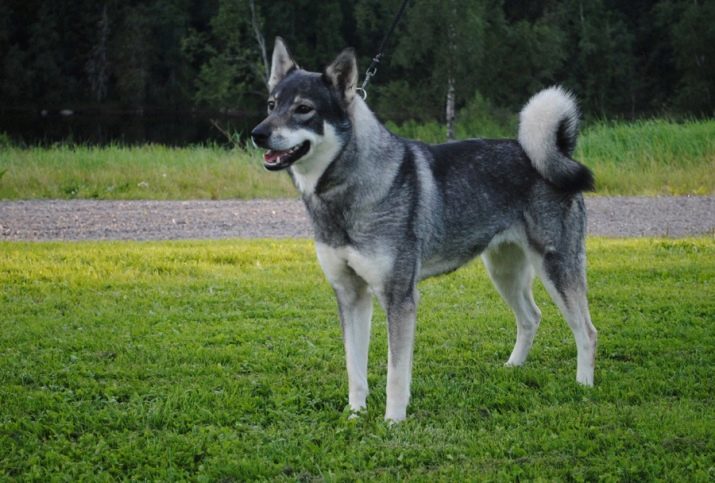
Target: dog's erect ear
pixel 281 64
pixel 343 75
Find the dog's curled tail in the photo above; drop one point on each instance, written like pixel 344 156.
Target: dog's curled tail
pixel 548 129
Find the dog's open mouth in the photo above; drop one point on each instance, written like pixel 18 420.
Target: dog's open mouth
pixel 275 160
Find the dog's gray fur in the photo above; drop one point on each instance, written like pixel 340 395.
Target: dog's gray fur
pixel 388 212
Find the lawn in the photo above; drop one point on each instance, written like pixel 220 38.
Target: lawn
pixel 149 172
pixel 654 157
pixel 222 361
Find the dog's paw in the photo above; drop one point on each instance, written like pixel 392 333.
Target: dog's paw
pixel 585 380
pixel 394 418
pixel 353 414
pixel 516 360
pixel 391 423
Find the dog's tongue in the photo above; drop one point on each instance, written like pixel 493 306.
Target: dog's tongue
pixel 271 156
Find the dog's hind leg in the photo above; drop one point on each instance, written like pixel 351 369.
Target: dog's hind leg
pixel 401 322
pixel 512 275
pixel 563 273
pixel 399 299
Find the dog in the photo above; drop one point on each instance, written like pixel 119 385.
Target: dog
pixel 388 212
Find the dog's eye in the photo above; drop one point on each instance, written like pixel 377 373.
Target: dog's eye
pixel 303 109
pixel 271 105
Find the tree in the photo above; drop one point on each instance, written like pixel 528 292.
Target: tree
pixel 229 67
pixel 524 53
pixel 257 24
pixel 600 64
pixel 135 55
pixel 431 61
pixel 692 37
pixel 44 56
pixel 621 58
pixel 98 65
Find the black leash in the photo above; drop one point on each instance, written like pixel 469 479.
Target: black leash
pixel 372 69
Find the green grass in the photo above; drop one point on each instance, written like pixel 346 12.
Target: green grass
pixel 222 361
pixel 131 172
pixel 641 158
pixel 653 157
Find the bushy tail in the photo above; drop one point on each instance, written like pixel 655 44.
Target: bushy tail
pixel 548 129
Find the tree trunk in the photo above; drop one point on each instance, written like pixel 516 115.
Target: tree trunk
pixel 450 114
pixel 260 40
pixel 97 67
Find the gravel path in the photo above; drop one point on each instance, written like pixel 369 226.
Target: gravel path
pixel 172 220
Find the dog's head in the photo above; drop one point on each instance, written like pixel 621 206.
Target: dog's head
pixel 307 111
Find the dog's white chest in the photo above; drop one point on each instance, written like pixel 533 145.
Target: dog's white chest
pixel 338 263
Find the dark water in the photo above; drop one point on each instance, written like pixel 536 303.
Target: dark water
pixel 169 128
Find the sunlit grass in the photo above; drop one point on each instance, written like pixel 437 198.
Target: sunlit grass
pixel 223 361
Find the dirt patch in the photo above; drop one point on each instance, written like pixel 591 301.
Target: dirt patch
pixel 173 220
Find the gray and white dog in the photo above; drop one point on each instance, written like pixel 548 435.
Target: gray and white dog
pixel 388 212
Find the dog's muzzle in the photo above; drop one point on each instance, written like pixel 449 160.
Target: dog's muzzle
pixel 276 159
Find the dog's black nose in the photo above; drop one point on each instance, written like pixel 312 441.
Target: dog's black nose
pixel 260 135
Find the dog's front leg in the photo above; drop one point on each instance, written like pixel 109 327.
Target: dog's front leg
pixel 355 305
pixel 401 318
pixel 355 308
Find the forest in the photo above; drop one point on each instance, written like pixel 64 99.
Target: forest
pixel 623 59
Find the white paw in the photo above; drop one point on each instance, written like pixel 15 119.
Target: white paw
pixel 585 381
pixel 392 418
pixel 357 413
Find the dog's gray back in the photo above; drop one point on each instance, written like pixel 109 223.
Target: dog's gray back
pixel 445 202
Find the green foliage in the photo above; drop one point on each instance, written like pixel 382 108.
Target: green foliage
pixel 692 37
pixel 428 53
pixel 5 141
pixel 621 58
pixel 45 57
pixel 222 361
pixel 218 83
pixel 226 57
pixel 603 47
pixel 478 119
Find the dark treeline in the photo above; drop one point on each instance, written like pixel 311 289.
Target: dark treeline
pixel 622 58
